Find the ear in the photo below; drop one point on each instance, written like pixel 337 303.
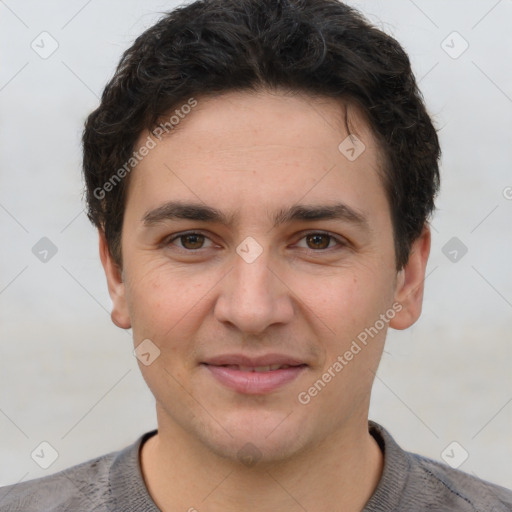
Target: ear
pixel 116 287
pixel 410 282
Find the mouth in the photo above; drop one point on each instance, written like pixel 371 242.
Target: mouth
pixel 259 369
pixel 254 377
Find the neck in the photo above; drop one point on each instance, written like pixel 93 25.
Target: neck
pixel 340 473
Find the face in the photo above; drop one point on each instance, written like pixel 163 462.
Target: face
pixel 252 242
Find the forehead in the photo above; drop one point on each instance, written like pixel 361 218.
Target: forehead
pixel 244 150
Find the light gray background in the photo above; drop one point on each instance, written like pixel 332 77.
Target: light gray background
pixel 67 374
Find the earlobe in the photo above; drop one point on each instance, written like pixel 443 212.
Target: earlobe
pixel 116 286
pixel 410 282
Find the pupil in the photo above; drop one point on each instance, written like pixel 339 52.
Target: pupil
pixel 317 238
pixel 195 240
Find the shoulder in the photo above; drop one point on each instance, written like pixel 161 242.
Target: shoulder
pixel 413 482
pixel 110 482
pixel 457 488
pixel 81 487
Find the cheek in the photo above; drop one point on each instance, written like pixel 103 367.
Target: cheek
pixel 347 295
pixel 161 300
pixel 351 303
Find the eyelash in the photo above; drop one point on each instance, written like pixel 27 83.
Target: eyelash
pixel 340 242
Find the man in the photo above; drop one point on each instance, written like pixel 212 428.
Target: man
pixel 261 174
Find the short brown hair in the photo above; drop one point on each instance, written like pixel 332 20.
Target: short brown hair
pixel 322 47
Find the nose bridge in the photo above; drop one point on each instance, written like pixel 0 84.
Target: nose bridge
pixel 252 298
pixel 252 278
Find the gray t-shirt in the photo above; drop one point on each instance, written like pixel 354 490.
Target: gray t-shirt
pixel 114 483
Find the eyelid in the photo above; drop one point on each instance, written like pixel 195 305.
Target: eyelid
pixel 175 236
pixel 341 241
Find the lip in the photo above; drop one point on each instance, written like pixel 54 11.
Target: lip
pixel 244 360
pixel 252 382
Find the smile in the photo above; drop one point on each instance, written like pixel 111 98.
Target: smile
pixel 268 368
pixel 254 380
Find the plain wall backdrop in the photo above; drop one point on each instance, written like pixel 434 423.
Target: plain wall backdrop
pixel 68 375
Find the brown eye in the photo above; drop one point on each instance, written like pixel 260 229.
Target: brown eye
pixel 318 241
pixel 191 241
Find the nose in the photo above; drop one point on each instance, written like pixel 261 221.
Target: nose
pixel 254 296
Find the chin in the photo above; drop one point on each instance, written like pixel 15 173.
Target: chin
pixel 255 438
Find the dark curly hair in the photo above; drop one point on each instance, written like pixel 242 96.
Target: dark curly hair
pixel 321 47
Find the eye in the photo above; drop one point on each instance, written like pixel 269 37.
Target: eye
pixel 315 241
pixel 320 241
pixel 189 241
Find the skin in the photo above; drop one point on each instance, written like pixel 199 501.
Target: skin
pixel 251 155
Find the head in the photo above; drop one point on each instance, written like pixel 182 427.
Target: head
pixel 261 175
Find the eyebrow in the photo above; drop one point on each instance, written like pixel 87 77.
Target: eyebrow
pixel 173 210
